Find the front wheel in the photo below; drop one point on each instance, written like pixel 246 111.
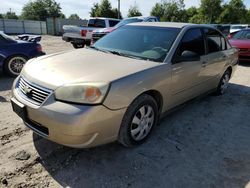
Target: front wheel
pixel 138 121
pixel 223 84
pixel 13 65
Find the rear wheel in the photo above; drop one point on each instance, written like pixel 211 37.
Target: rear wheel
pixel 224 82
pixel 14 65
pixel 138 121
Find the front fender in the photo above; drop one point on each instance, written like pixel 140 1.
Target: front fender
pixel 123 91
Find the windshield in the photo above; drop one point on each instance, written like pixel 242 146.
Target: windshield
pixel 148 43
pixel 127 21
pixel 244 34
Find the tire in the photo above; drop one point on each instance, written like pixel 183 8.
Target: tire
pixel 77 46
pixel 14 64
pixel 138 121
pixel 223 84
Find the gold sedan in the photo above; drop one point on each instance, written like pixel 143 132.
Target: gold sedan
pixel 120 87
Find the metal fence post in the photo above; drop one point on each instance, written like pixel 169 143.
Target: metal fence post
pixel 4 30
pixel 41 28
pixel 23 26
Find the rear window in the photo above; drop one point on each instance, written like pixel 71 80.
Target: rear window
pixel 112 23
pixel 96 23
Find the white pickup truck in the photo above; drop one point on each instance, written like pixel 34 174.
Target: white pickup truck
pixel 79 36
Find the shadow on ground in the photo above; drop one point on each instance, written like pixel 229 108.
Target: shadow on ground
pixel 204 144
pixel 245 63
pixel 5 82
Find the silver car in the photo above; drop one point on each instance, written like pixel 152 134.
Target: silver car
pixel 120 87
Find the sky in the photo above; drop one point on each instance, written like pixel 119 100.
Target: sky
pixel 82 7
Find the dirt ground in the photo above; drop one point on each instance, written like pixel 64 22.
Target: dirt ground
pixel 204 144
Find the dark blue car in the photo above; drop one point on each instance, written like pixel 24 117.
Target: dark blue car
pixel 15 53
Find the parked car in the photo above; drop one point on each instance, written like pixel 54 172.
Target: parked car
pixel 99 33
pixel 15 53
pixel 118 91
pixel 238 27
pixel 81 36
pixel 241 40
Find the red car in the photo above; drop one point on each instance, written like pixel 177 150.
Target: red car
pixel 241 40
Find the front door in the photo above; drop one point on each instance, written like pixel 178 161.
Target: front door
pixel 186 67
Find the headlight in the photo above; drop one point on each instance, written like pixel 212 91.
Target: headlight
pixel 84 93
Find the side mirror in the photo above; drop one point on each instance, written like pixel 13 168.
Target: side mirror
pixel 187 56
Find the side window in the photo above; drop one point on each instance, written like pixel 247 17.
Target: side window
pixel 112 23
pixel 215 41
pixel 192 41
pixel 151 20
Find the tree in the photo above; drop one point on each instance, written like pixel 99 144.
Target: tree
pixel 10 15
pixel 115 13
pixel 170 10
pixel 157 10
pixel 234 12
pixel 248 17
pixel 134 11
pixel 74 17
pixel 94 10
pixel 210 10
pixel 104 9
pixel 41 9
pixel 1 16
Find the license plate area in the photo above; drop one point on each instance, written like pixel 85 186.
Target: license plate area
pixel 19 109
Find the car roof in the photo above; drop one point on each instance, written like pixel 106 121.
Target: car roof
pixel 140 17
pixel 103 18
pixel 162 24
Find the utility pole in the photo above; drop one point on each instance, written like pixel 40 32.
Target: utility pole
pixel 119 9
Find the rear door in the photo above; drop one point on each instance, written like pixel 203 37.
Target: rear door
pixel 186 78
pixel 216 55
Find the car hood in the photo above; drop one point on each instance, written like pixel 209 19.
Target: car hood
pixel 240 43
pixel 83 65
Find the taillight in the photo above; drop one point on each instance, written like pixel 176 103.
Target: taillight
pixel 84 33
pixel 39 48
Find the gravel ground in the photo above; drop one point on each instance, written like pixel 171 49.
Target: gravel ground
pixel 204 144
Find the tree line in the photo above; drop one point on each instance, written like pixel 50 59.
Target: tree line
pixel 209 11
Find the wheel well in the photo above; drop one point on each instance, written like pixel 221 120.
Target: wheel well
pixel 157 96
pixel 7 58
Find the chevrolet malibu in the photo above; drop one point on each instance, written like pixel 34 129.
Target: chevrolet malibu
pixel 119 88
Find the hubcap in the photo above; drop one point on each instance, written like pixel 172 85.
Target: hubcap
pixel 16 64
pixel 225 83
pixel 142 122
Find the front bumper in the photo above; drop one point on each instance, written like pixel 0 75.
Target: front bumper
pixel 73 125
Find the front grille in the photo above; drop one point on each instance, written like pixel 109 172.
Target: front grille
pixel 31 92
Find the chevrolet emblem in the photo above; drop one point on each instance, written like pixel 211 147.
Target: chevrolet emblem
pixel 27 89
